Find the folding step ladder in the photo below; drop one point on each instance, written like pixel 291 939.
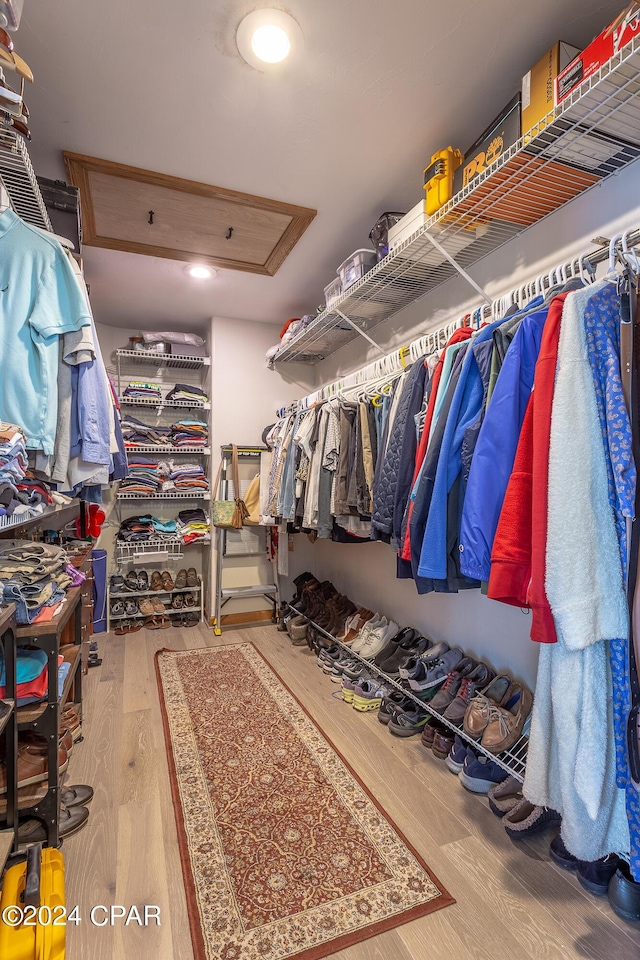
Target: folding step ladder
pixel 270 591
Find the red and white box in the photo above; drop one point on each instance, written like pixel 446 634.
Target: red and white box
pixel 617 35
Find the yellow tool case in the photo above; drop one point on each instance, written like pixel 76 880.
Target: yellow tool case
pixel 32 908
pixel 438 178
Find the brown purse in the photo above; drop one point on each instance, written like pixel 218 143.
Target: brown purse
pixel 230 514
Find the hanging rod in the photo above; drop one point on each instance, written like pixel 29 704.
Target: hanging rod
pixel 393 364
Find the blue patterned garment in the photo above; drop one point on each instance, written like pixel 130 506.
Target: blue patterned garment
pixel 600 306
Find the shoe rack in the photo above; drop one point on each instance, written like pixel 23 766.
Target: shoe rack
pixel 168 552
pixel 514 760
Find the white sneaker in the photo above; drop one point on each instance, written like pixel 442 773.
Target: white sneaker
pixel 378 640
pixel 364 634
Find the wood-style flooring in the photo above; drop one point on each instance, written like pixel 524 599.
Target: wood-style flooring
pixel 512 902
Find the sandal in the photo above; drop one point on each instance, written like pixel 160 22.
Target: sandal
pixel 165 622
pixel 176 602
pixel 191 620
pixel 192 577
pixel 122 628
pixel 181 579
pixel 158 605
pixel 156 581
pixel 189 600
pixel 146 607
pixel 153 623
pixel 117 609
pixel 143 580
pixel 117 583
pixel 131 608
pixel 167 582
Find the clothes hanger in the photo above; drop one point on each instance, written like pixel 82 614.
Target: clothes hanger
pixel 630 256
pixel 612 273
pixel 5 199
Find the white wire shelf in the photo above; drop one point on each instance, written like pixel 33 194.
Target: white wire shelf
pixel 157 448
pixel 19 178
pixel 149 551
pixel 158 404
pixel 175 360
pixel 167 612
pixel 153 593
pixel 513 760
pixel 194 495
pixel 594 134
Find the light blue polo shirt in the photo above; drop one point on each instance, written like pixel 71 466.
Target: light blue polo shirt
pixel 40 300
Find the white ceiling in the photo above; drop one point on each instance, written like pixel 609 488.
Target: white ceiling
pixel 160 84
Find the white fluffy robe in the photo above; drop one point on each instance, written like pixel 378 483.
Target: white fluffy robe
pixel 571 760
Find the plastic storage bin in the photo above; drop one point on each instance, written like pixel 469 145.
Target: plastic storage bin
pixel 355 266
pixel 332 291
pixel 379 235
pixel 438 178
pixel 46 940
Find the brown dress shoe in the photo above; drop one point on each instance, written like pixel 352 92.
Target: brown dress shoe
pixel 33 765
pixel 507 721
pixel 479 710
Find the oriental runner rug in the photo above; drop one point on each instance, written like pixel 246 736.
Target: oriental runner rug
pixel 285 852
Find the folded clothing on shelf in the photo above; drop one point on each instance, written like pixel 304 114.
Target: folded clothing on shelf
pixel 189 433
pixel 144 476
pixel 33 576
pixel 187 476
pixel 194 526
pixel 146 528
pixel 136 432
pixel 32 675
pixel 185 391
pixel 140 389
pixel 22 494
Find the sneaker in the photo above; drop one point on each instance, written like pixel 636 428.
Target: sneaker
pixel 372 624
pixel 408 669
pixel 329 655
pixel 403 653
pixel 409 723
pixel 447 692
pixel 479 774
pixel 394 699
pixel 368 695
pixel 406 636
pixel 348 688
pixel 339 666
pixel 378 640
pixel 457 755
pixel 433 671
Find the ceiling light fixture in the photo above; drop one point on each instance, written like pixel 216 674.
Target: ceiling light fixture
pixel 268 37
pixel 199 272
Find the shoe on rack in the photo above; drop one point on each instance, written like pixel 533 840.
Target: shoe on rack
pixel 442 743
pixel 349 686
pixel 378 640
pixel 392 701
pixel 457 755
pixel 595 875
pixel 77 795
pixel 449 689
pixel 482 704
pixel 507 723
pixel 414 645
pixel 409 723
pixel 32 765
pixel 363 636
pixel 71 820
pixel 407 669
pixel 368 694
pixel 431 728
pixel 393 643
pixel 479 774
pixel 344 662
pixel 356 623
pixel 433 671
pixel 624 894
pixel 505 796
pixel 526 819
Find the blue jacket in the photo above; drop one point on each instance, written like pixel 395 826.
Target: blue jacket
pixel 496 448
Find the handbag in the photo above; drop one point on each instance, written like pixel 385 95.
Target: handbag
pixel 252 502
pixel 230 514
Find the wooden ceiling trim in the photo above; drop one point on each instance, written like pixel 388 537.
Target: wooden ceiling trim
pixel 79 167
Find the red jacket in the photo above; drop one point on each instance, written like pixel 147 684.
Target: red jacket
pixel 518 562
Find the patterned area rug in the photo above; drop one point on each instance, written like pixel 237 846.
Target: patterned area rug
pixel 285 852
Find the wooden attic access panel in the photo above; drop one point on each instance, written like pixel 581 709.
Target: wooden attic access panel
pixel 191 220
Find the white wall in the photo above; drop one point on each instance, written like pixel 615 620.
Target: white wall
pixel 366 572
pixel 245 395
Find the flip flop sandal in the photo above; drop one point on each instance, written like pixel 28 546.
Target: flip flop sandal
pixel 176 602
pixel 191 620
pixel 152 623
pixel 131 608
pixel 167 582
pixel 165 622
pixel 135 625
pixel 117 609
pixel 156 581
pixel 192 577
pixel 143 580
pixel 131 581
pixel 181 579
pixel 146 607
pixel 123 628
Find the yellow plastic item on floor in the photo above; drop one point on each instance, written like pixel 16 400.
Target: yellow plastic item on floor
pixel 438 178
pixel 40 941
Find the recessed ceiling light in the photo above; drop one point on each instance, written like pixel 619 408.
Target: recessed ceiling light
pixel 268 37
pixel 199 272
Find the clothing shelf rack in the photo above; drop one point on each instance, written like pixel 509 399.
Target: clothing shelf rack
pixel 163 369
pixel 18 176
pixel 269 591
pixel 594 134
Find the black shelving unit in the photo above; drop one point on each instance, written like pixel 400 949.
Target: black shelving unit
pixel 9 730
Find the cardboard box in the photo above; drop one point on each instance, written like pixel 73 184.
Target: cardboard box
pixel 539 84
pixel 502 133
pixel 617 35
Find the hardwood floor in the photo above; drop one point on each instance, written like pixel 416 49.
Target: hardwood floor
pixel 511 900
